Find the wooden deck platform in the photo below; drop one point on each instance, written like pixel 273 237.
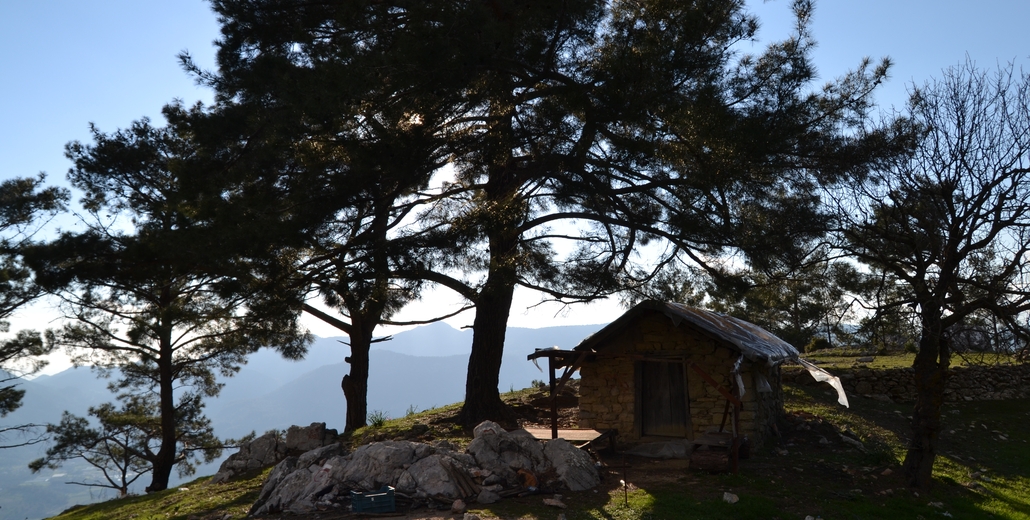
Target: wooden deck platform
pixel 571 435
pixel 581 436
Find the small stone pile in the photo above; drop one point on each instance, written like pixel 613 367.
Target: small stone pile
pixel 494 462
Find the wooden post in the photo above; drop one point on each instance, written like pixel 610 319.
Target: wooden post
pixel 735 448
pixel 554 399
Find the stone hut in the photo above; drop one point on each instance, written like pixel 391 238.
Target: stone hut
pixel 665 370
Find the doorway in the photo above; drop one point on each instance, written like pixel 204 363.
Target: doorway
pixel 664 408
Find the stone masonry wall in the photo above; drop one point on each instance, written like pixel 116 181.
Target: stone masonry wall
pixel 973 383
pixel 607 393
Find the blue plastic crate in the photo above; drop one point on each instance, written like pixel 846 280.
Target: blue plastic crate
pixel 381 501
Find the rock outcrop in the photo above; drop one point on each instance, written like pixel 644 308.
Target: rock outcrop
pixel 323 478
pixel 271 448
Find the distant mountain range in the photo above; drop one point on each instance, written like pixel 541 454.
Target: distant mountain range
pixel 417 369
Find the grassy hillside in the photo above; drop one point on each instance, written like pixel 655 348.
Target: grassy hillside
pixel 983 471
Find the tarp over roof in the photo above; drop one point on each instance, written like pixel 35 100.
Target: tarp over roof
pixel 754 342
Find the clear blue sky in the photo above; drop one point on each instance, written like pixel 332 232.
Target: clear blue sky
pixel 66 63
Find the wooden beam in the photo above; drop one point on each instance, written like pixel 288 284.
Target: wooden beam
pixel 554 399
pixel 686 401
pixel 569 370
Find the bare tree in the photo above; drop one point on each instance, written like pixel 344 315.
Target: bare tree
pixel 950 224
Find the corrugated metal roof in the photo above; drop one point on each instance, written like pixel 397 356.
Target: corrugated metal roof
pixel 754 342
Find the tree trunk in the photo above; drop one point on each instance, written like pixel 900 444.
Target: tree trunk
pixel 165 459
pixel 506 212
pixel 355 384
pixel 482 397
pixel 931 370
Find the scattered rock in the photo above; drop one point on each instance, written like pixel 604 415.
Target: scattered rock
pixel 554 502
pixel 458 507
pixel 487 497
pixel 856 443
pixel 865 359
pixel 972 484
pixel 471 516
pixel 887 472
pixel 730 498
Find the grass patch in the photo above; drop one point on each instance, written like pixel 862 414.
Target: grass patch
pixel 194 498
pixel 982 470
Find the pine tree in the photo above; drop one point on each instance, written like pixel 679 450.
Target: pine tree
pixel 149 291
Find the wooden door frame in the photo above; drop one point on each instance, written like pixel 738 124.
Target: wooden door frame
pixel 638 395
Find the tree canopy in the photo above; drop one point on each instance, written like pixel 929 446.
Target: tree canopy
pixel 149 292
pixel 577 133
pixel 950 225
pixel 24 203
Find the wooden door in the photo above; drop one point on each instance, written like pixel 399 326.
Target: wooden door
pixel 663 399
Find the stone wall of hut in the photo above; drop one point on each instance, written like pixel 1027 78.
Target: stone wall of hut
pixel 607 386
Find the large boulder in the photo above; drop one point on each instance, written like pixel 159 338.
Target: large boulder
pixel 300 439
pixel 381 463
pixel 271 448
pixel 294 482
pixel 261 452
pixel 504 453
pixel 288 495
pixel 431 477
pixel 574 466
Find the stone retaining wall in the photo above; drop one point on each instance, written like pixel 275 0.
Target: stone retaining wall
pixel 973 383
